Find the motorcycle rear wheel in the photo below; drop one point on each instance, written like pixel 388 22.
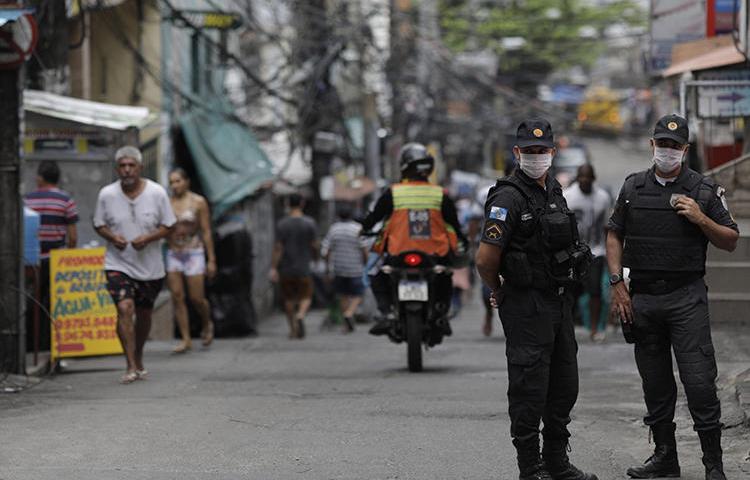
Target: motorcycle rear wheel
pixel 414 340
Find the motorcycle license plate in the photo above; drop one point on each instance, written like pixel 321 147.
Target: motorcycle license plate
pixel 413 291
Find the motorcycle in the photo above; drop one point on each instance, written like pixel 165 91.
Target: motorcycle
pixel 421 315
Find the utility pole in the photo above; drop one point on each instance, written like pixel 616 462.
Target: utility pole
pixel 12 324
pixel 400 73
pixel 371 151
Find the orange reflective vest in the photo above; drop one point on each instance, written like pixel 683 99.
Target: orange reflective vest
pixel 417 222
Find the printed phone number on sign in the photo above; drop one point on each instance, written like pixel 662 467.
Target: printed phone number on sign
pixel 77 336
pixel 73 323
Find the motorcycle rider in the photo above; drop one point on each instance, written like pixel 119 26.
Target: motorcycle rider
pixel 418 216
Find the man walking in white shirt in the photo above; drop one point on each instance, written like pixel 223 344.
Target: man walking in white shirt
pixel 591 205
pixel 133 214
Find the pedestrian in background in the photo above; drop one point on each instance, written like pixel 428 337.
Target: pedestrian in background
pixel 133 214
pixel 190 257
pixel 346 252
pixel 592 206
pixel 296 247
pixel 529 239
pixel 660 228
pixel 57 229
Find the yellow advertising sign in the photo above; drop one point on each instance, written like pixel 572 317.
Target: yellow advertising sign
pixel 85 318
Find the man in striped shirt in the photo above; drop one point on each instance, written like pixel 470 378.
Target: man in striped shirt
pixel 59 215
pixel 346 253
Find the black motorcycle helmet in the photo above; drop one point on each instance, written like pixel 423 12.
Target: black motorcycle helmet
pixel 416 161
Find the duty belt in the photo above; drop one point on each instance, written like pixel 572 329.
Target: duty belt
pixel 661 287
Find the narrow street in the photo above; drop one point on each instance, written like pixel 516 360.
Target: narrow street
pixel 331 406
pixel 613 160
pixel 205 161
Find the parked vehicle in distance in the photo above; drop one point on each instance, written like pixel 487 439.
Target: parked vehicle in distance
pixel 569 157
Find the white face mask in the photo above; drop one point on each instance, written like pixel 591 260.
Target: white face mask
pixel 667 159
pixel 535 164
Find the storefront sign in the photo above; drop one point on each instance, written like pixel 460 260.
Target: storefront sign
pixel 724 101
pixel 84 315
pixel 208 19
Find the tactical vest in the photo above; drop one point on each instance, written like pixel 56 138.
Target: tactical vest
pixel 538 255
pixel 656 238
pixel 417 222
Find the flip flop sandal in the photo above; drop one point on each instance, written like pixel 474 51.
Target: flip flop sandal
pixel 142 373
pixel 129 377
pixel 181 348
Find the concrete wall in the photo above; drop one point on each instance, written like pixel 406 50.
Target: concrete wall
pixel 116 76
pixel 735 178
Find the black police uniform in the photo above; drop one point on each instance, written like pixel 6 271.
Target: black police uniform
pixel 541 261
pixel 666 255
pixel 535 311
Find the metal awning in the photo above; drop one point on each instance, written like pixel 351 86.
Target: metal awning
pixel 719 57
pixel 11 14
pixel 115 117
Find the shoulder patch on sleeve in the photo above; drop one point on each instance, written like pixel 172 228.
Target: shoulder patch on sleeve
pixel 498 213
pixel 493 232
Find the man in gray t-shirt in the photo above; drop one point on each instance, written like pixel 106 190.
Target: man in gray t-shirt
pixel 133 214
pixel 296 245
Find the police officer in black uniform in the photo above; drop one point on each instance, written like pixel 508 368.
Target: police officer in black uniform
pixel 663 220
pixel 530 238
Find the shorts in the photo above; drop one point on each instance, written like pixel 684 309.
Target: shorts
pixel 143 292
pixel 349 286
pixel 593 284
pixel 190 262
pixel 296 288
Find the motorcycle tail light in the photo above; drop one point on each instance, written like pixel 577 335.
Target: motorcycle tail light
pixel 413 259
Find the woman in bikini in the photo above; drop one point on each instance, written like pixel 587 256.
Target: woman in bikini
pixel 190 255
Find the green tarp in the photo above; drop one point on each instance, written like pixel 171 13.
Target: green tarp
pixel 229 161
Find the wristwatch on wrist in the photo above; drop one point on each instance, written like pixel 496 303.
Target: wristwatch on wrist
pixel 614 279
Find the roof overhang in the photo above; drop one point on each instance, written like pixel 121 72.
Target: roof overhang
pixel 12 13
pixel 115 117
pixel 720 57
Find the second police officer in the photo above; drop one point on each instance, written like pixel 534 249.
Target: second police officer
pixel 662 222
pixel 530 238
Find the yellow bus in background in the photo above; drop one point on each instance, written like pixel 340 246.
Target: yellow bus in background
pixel 600 111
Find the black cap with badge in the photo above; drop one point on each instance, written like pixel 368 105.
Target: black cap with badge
pixel 535 132
pixel 673 127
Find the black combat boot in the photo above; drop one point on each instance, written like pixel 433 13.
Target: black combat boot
pixel 557 463
pixel 663 463
pixel 530 464
pixel 711 446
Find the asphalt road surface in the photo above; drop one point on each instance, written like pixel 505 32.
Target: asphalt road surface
pixel 339 406
pixel 329 407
